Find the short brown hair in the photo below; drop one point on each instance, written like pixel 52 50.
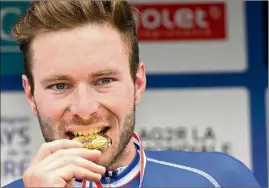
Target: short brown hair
pixel 52 15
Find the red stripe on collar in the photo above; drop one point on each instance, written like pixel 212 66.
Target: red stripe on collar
pixel 142 165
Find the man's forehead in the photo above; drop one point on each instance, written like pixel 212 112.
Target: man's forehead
pixel 87 41
pixel 57 48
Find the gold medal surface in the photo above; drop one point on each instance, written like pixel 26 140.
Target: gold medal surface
pixel 94 141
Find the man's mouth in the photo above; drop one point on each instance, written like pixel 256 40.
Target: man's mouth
pixel 93 138
pixel 87 132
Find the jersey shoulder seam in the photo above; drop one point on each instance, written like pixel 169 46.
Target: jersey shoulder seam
pixel 191 169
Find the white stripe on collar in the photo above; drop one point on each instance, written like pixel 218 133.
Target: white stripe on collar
pixel 133 173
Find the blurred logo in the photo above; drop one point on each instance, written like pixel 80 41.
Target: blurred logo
pixel 11 58
pixel 15 146
pixel 184 138
pixel 10 13
pixel 188 21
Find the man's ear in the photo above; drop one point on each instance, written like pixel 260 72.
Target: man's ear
pixel 29 95
pixel 140 83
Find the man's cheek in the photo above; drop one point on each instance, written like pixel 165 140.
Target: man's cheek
pixel 119 109
pixel 53 110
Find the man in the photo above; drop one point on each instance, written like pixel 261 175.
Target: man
pixel 83 77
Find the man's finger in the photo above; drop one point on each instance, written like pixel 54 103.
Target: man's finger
pixel 77 161
pixel 71 171
pixel 48 148
pixel 91 155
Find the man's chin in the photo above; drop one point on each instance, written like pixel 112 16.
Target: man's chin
pixel 104 161
pixel 106 157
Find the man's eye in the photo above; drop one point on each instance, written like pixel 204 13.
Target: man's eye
pixel 103 81
pixel 59 86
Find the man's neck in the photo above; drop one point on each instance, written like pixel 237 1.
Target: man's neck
pixel 126 157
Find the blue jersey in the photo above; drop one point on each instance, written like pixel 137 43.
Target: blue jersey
pixel 173 169
pixel 186 169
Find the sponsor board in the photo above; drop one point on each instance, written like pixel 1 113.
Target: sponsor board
pixel 180 21
pixel 20 136
pixel 184 36
pixel 10 13
pixel 11 58
pixel 196 120
pixel 192 36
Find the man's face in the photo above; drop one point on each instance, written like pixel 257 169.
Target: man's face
pixel 83 84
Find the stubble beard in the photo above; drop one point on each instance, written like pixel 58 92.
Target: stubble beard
pixel 118 152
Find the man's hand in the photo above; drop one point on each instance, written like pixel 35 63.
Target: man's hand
pixel 58 163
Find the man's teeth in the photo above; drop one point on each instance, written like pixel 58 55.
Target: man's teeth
pixel 87 132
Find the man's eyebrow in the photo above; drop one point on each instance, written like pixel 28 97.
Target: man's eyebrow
pixel 108 72
pixel 54 78
pixel 58 77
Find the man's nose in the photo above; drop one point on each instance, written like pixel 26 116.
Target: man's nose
pixel 84 103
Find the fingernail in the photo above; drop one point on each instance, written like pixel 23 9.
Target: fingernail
pixel 96 151
pixel 103 168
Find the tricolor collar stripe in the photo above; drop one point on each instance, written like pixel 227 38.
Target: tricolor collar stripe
pixel 128 169
pixel 143 162
pixel 137 170
pixel 125 180
pixel 136 140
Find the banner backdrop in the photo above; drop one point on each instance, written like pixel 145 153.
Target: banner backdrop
pixel 197 120
pixel 206 83
pixel 20 135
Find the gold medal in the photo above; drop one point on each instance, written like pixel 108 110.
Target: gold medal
pixel 94 141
